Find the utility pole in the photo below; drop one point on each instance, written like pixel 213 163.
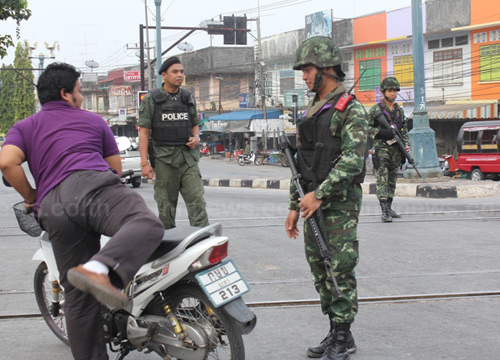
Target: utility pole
pixel 262 84
pixel 220 78
pixel 158 42
pixel 422 137
pixel 150 83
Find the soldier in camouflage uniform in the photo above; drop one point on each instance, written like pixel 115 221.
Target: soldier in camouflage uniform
pixel 332 183
pixel 170 132
pixel 388 157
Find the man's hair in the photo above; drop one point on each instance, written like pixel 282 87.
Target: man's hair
pixel 55 77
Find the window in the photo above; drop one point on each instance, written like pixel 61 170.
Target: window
pixel 490 62
pixel 369 53
pixel 230 89
pixel 380 51
pixel 204 90
pixel 360 54
pixel 461 40
pixel 347 56
pixel 403 70
pixel 448 67
pixel 345 67
pixel 287 80
pixel 372 76
pixel 489 140
pixel 447 42
pixel 433 44
pixel 469 140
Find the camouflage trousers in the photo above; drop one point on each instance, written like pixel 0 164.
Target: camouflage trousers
pixel 186 180
pixel 342 240
pixel 387 172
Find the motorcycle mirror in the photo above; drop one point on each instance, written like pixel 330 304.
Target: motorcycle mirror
pixel 5 182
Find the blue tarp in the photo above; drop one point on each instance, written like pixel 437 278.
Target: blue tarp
pixel 246 115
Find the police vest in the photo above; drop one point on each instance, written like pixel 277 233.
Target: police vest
pixel 171 121
pixel 318 150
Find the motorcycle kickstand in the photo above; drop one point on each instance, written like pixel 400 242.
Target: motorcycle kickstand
pixel 123 352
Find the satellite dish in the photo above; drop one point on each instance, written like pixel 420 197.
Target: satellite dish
pixel 92 64
pixel 123 143
pixel 185 46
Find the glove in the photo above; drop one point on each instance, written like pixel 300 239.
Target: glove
pixel 385 134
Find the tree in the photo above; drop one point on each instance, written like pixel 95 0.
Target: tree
pixel 24 90
pixel 6 96
pixel 17 97
pixel 16 10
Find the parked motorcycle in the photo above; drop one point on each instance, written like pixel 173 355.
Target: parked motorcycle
pixel 185 302
pixel 267 158
pixel 246 158
pixel 205 150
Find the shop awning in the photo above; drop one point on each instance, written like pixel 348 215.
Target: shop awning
pixel 464 110
pixel 238 121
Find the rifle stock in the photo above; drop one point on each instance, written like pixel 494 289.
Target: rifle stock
pixel 383 121
pixel 313 220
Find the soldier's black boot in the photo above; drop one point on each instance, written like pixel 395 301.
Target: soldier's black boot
pixel 386 216
pixel 392 212
pixel 318 351
pixel 336 349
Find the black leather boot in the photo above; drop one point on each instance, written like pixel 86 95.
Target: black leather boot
pixel 336 349
pixel 386 216
pixel 392 212
pixel 318 351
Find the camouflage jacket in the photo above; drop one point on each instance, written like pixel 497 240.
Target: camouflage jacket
pixel 374 129
pixel 351 125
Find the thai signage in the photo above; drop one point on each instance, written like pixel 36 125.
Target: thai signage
pixel 131 76
pixel 125 90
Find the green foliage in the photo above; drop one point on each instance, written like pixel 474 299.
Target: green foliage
pixel 6 94
pixel 16 10
pixel 17 97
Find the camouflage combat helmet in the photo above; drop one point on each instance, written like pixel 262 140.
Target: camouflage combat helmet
pixel 389 83
pixel 319 51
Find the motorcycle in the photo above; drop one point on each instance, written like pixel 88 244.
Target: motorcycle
pixel 246 158
pixel 267 158
pixel 184 303
pixel 205 150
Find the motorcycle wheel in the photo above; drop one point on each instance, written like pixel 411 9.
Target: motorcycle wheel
pixel 53 316
pixel 190 305
pixel 241 161
pixel 259 160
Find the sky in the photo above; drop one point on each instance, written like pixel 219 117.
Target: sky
pixel 107 31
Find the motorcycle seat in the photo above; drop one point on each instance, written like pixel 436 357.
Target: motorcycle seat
pixel 173 237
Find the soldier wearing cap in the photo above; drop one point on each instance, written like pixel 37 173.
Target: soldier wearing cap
pixel 388 158
pixel 168 144
pixel 330 158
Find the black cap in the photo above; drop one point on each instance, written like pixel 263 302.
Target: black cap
pixel 167 63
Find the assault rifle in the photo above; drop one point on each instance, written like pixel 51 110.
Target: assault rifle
pixel 313 222
pixel 383 121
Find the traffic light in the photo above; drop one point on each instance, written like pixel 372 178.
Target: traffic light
pixel 232 37
pixel 229 34
pixel 140 96
pixel 241 36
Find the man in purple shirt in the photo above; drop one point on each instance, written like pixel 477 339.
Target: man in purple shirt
pixel 75 162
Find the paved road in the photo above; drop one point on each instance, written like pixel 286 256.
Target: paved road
pixel 440 245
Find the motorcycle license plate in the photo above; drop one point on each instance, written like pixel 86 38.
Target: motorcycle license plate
pixel 222 283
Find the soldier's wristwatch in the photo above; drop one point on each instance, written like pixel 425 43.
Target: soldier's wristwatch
pixel 318 194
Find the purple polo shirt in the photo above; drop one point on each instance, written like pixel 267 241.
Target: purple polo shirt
pixel 60 140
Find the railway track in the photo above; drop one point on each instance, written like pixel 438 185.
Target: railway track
pixel 392 299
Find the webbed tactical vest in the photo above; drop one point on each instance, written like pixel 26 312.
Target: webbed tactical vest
pixel 318 150
pixel 394 118
pixel 171 121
